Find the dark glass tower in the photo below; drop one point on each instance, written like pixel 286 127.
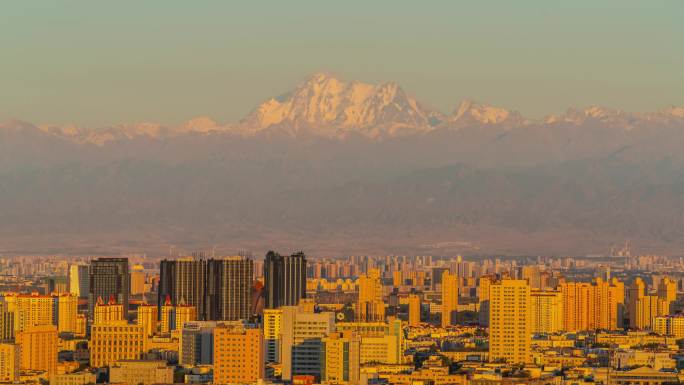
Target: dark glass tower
pixel 109 278
pixel 183 279
pixel 229 289
pixel 284 279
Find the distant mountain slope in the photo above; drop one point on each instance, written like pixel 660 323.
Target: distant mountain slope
pixel 348 167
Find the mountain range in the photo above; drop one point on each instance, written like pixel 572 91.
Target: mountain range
pixel 336 167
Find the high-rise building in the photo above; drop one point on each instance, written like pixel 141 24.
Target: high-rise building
pixel 341 359
pixel 38 346
pixel 484 283
pixel 197 343
pixel 302 336
pixel 219 289
pixel 509 322
pixel 284 279
pixel 546 307
pixel 66 312
pixel 166 316
pixel 238 354
pixel 184 279
pixel 10 357
pixel 649 307
pixel 669 325
pixel 371 306
pixel 591 306
pixel 57 285
pixel 112 341
pixel 229 288
pixel 148 318
pixel 109 277
pixel 272 325
pixel 667 289
pixel 30 310
pixel 449 297
pixel 79 280
pixel 107 312
pixel 436 277
pixel 183 313
pixel 414 310
pixel 636 291
pixel 138 277
pixel 6 321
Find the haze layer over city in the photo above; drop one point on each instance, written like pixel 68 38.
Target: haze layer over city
pixel 342 193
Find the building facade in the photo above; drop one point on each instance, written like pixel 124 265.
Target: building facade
pixel 109 278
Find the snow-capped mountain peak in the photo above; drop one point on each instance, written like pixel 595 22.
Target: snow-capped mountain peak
pixel 469 112
pixel 325 102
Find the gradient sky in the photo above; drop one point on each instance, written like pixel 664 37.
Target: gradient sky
pixel 97 63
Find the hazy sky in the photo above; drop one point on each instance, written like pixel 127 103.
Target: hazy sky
pixel 96 63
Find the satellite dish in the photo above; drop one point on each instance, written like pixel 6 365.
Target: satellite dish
pixel 340 316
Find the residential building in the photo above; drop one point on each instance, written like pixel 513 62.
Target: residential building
pixel 509 321
pixel 449 297
pixel 38 346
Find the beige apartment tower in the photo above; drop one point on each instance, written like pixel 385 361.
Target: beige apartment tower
pixel 449 297
pixel 509 322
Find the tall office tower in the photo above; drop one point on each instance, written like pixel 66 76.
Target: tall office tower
pixel 302 336
pixel 10 356
pixel 546 307
pixel 30 310
pixel 414 310
pixel 184 279
pixel 138 280
pixel 647 308
pixel 79 280
pixel 509 321
pixel 667 289
pixel 107 312
pixel 272 325
pixel 67 312
pixel 371 307
pixel 636 292
pixel 109 277
pixel 449 297
pixel 229 288
pixel 342 359
pixel 484 283
pixel 148 318
pixel 197 343
pixel 38 346
pixel 238 354
pixel 6 321
pixel 284 279
pixel 116 340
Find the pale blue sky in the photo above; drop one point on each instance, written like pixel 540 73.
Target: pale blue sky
pixel 97 63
